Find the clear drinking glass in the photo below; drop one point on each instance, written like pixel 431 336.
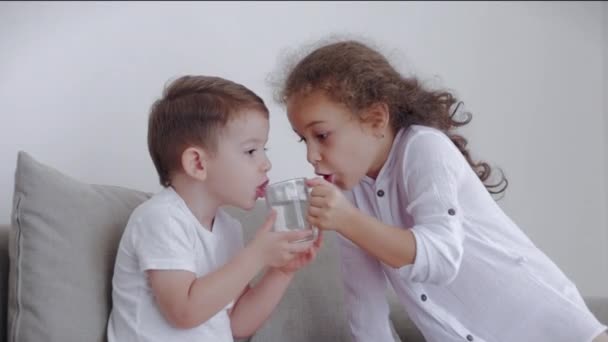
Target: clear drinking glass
pixel 289 199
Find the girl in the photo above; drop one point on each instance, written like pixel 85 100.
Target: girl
pixel 413 209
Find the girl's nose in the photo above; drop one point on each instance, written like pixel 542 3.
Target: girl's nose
pixel 312 155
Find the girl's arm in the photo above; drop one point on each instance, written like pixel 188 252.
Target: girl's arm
pixel 329 209
pixel 432 173
pixel 393 246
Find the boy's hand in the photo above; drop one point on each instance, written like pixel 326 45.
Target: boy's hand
pixel 328 209
pixel 276 248
pixel 303 259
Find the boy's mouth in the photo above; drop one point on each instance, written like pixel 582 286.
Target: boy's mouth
pixel 260 190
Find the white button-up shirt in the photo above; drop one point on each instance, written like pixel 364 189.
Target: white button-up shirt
pixel 476 275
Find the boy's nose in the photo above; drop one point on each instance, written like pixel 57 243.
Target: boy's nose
pixel 267 165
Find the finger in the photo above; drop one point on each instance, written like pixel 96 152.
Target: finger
pixel 313 220
pixel 319 240
pixel 317 201
pixel 300 247
pixel 315 212
pixel 315 181
pixel 288 257
pixel 320 191
pixel 267 226
pixel 297 235
pixel 310 256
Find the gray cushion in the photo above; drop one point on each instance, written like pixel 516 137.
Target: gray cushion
pixel 62 248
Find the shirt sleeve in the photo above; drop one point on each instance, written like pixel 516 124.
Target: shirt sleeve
pixel 364 294
pixel 162 242
pixel 432 171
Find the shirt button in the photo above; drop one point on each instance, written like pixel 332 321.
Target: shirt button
pixel 451 211
pixel 470 338
pixel 423 298
pixel 380 193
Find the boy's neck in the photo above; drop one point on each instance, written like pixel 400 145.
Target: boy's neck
pixel 201 204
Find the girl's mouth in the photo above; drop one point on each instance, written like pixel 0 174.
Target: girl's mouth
pixel 327 177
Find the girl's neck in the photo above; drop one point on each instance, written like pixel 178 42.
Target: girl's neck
pixel 384 149
pixel 197 199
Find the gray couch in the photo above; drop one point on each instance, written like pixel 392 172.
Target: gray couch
pixel 56 261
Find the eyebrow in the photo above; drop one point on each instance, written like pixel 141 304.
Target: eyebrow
pixel 314 123
pixel 254 140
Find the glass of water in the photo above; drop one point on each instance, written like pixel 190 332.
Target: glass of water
pixel 289 199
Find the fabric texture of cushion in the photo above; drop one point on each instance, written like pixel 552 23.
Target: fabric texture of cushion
pixel 62 248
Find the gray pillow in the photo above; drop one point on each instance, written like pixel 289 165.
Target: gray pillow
pixel 62 248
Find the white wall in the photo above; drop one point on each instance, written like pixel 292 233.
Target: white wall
pixel 605 98
pixel 77 80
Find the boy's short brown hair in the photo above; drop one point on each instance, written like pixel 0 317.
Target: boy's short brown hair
pixel 192 112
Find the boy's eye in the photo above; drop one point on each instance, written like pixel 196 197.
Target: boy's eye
pixel 302 140
pixel 252 151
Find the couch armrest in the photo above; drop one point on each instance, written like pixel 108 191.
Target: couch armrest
pixel 4 265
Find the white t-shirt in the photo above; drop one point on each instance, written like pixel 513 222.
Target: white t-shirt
pixel 476 276
pixel 163 234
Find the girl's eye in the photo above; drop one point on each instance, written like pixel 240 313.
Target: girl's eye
pixel 322 136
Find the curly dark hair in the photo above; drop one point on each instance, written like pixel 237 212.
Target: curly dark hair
pixel 358 76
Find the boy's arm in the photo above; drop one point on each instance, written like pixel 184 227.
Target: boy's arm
pixel 257 303
pixel 187 301
pixel 255 306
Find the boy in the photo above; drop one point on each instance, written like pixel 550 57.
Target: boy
pixel 181 271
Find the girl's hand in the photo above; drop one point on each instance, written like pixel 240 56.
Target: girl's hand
pixel 328 209
pixel 303 259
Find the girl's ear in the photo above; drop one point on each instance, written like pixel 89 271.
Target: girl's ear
pixel 377 116
pixel 194 162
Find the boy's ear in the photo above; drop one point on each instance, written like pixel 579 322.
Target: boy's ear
pixel 377 116
pixel 194 162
